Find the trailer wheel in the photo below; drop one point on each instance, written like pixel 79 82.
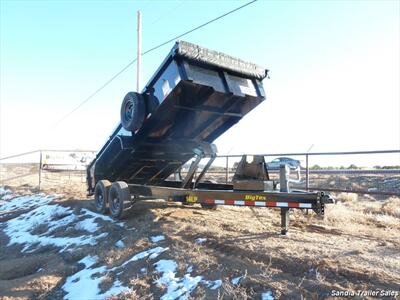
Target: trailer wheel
pixel 152 103
pixel 208 206
pixel 133 111
pixel 119 193
pixel 101 195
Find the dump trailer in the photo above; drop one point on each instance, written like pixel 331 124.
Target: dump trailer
pixel 194 97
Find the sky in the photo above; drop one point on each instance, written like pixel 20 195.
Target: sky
pixel 334 70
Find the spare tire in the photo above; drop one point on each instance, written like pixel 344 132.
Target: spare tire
pixel 152 103
pixel 132 111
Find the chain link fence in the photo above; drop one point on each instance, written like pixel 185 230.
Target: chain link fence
pixel 364 172
pixel 43 169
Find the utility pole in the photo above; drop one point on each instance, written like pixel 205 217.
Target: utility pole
pixel 139 50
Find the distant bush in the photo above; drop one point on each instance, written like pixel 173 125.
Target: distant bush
pixel 315 167
pixel 353 167
pixel 386 167
pixel 216 169
pixel 318 167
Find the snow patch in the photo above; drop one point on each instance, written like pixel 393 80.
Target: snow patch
pixel 22 202
pixel 176 287
pixel 5 194
pixel 116 289
pixel 157 238
pixel 103 217
pixel 267 296
pixel 215 284
pixel 4 191
pixel 200 240
pixel 120 244
pixel 85 283
pixel 152 253
pixel 87 225
pixel 236 280
pixel 48 220
pixel 88 261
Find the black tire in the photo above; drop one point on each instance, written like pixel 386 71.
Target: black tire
pixel 118 194
pixel 101 195
pixel 208 206
pixel 152 103
pixel 133 111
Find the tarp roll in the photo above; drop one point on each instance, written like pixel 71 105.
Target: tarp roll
pixel 219 59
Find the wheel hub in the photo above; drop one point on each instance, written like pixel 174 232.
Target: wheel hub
pixel 129 109
pixel 115 203
pixel 99 201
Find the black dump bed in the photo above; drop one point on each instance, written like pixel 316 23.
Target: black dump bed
pixel 201 94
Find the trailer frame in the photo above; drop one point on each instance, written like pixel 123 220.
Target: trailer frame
pixel 209 195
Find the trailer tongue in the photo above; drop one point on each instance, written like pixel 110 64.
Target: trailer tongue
pixel 195 96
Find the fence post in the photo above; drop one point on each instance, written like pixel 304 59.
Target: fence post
pixel 307 173
pixel 227 170
pixel 284 177
pixel 40 170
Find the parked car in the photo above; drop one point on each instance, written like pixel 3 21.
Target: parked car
pixel 277 162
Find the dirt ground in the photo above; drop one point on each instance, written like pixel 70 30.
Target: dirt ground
pixel 356 247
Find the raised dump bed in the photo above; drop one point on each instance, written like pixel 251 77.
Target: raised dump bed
pixel 195 96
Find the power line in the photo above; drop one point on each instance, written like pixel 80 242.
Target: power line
pixel 200 26
pixel 146 52
pixel 96 92
pixel 166 14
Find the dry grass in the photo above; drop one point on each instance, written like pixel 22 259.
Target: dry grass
pixel 347 197
pixel 354 247
pixel 392 207
pixel 236 292
pixel 355 214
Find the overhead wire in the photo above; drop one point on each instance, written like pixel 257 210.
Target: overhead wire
pixel 167 13
pixel 146 52
pixel 198 27
pixel 96 92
